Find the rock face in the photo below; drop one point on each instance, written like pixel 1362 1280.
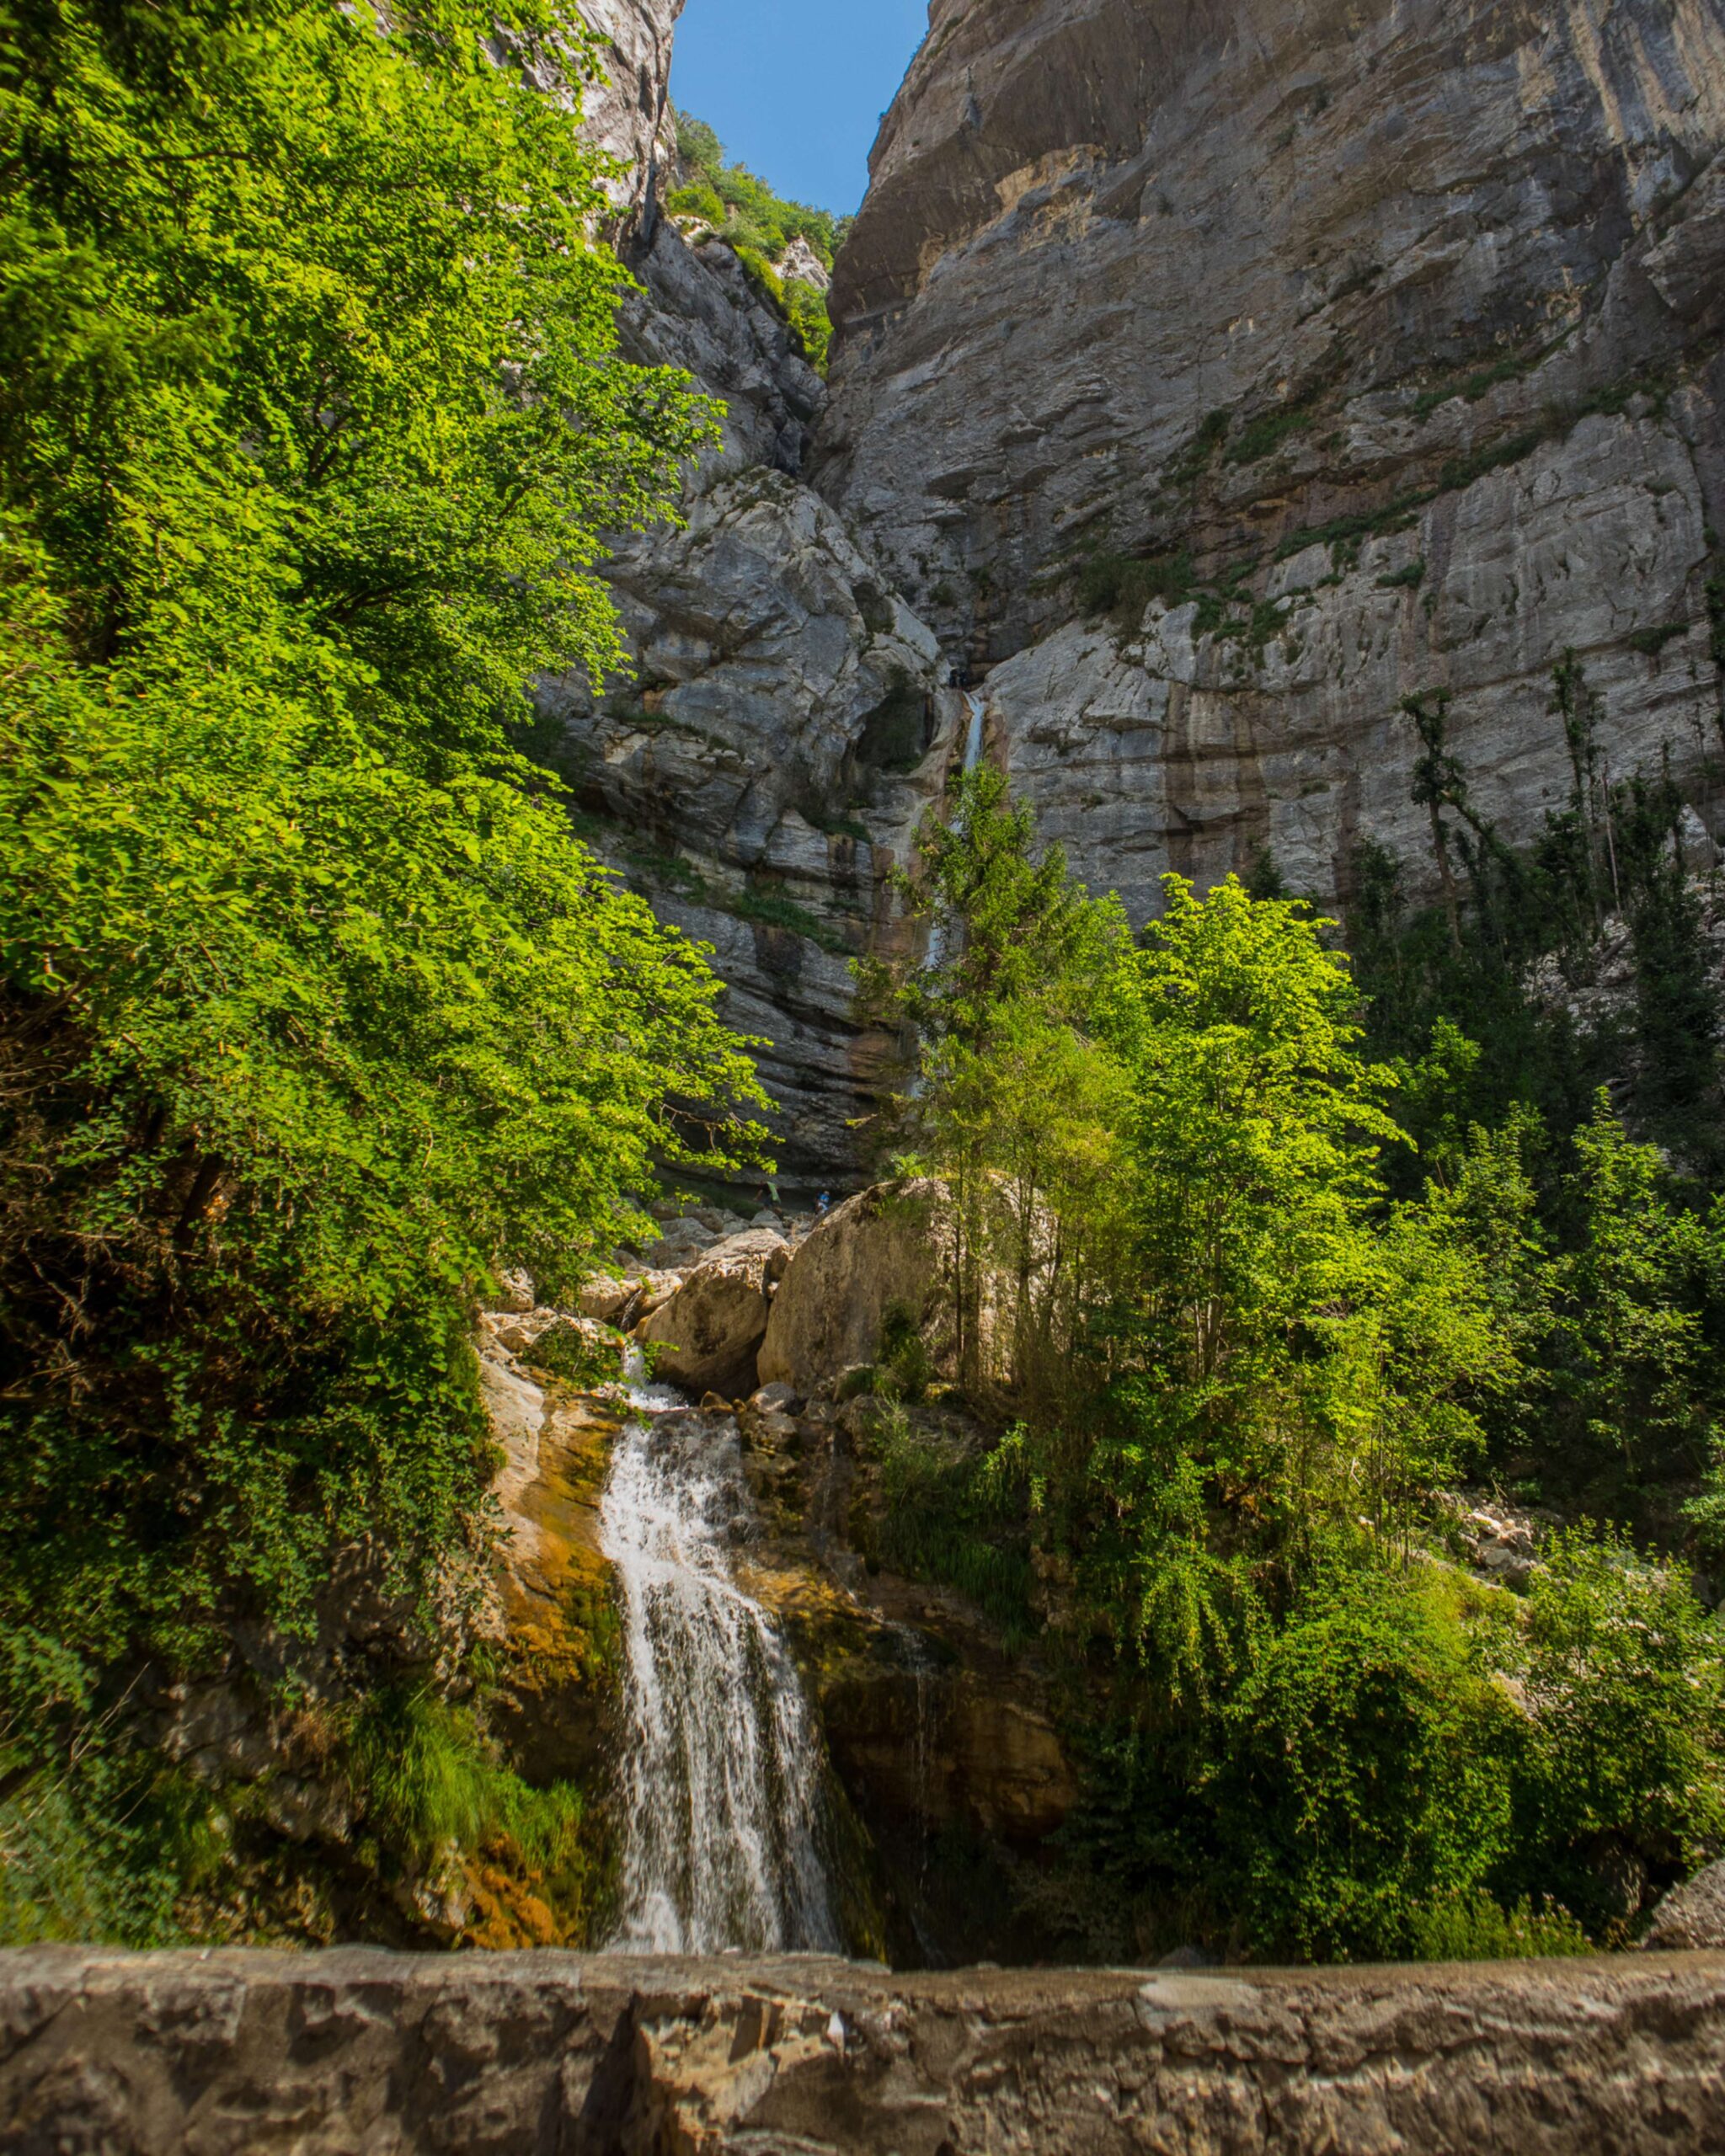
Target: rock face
pixel 877 1254
pixel 1216 379
pixel 627 111
pixel 758 767
pixel 1692 1917
pixel 237 2054
pixel 709 1333
pixel 1389 336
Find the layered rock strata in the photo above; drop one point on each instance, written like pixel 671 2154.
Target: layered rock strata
pixel 758 765
pixel 237 2054
pixel 1223 377
pixel 1216 379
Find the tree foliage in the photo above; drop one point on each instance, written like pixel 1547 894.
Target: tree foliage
pixel 761 226
pixel 1245 1338
pixel 313 1015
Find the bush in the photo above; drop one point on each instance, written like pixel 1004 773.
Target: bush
pixel 100 1850
pixel 1361 1773
pixel 1622 1750
pixel 433 1789
pixel 1124 585
pixel 1474 1928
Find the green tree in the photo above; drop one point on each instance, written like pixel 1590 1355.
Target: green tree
pixel 1620 1754
pixel 313 1015
pixel 1014 1100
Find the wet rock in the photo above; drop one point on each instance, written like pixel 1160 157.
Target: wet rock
pixel 877 1255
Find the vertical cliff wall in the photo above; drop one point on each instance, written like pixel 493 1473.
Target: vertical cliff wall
pixel 1214 375
pixel 1384 336
pixel 758 767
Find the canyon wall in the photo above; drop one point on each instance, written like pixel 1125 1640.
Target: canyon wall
pixel 757 768
pixel 1383 336
pixel 241 2054
pixel 1213 377
pixel 627 110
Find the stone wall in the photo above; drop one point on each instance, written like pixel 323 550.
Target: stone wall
pixel 360 2053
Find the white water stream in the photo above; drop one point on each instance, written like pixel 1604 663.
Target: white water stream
pixel 973 756
pixel 721 1773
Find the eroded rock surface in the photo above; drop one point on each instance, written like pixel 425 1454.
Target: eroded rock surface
pixel 708 1334
pixel 1392 335
pixel 1691 1917
pixel 238 2054
pixel 880 1254
pixel 758 767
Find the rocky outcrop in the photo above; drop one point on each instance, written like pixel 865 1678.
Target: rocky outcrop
pixel 627 110
pixel 1385 342
pixel 709 1332
pixel 757 768
pixel 1691 1917
pixel 237 2054
pixel 877 1255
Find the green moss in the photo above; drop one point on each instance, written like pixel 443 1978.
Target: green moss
pixel 1409 579
pixel 771 908
pixel 1266 434
pixel 1651 642
pixel 1475 386
pixel 1124 585
pixel 895 735
pixel 666 872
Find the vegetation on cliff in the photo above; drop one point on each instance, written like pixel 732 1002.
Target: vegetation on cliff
pixel 1241 1337
pixel 314 1017
pixel 761 226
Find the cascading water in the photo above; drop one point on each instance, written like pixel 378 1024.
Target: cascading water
pixel 721 1776
pixel 972 757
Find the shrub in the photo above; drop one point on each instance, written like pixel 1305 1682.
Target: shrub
pixel 1622 1750
pixel 1360 1773
pixel 1124 585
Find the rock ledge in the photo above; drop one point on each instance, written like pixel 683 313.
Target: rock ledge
pixel 355 2050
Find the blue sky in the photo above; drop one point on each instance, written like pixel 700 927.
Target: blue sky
pixel 796 87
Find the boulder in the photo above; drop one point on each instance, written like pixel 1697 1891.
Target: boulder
pixel 709 1332
pixel 777 1399
pixel 515 1294
pixel 1692 1917
pixel 879 1253
pixel 607 1299
pixel 657 1289
pixel 682 1242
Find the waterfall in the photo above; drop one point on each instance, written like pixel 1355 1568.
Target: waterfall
pixel 721 1773
pixel 972 757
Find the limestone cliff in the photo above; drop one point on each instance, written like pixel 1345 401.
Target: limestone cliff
pixel 759 765
pixel 628 110
pixel 1388 335
pixel 1214 378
